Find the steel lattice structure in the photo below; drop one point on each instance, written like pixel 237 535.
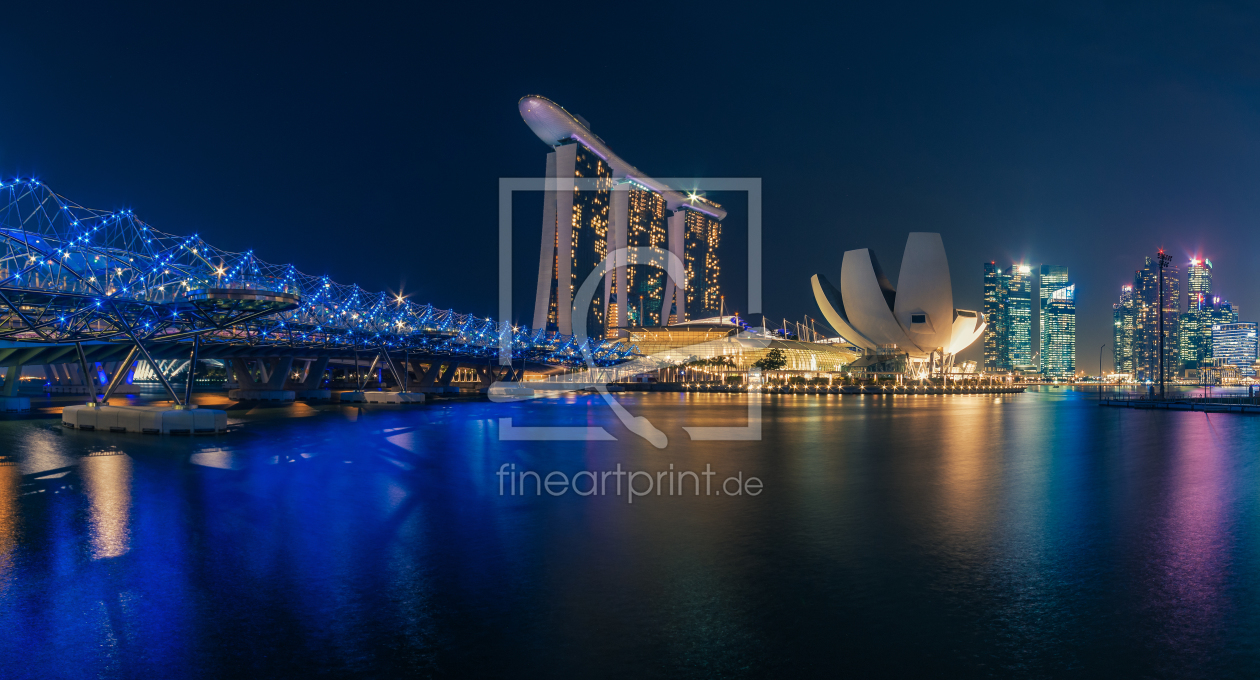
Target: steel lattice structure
pixel 73 274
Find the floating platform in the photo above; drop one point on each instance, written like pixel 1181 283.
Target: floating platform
pixel 15 404
pixel 1181 405
pixel 509 390
pixel 144 419
pixel 382 398
pixel 435 389
pixel 261 395
pixel 81 389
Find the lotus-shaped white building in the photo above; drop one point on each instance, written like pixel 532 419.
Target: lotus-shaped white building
pixel 918 316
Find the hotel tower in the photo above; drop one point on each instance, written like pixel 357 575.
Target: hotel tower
pixel 598 204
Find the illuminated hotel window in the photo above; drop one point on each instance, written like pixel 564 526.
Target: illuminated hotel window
pixel 702 236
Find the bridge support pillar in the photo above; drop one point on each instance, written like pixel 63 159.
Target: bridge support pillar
pixel 309 386
pixel 255 390
pixel 413 367
pixel 11 378
pixel 315 373
pixel 9 400
pixel 264 375
pixel 449 374
pixel 244 378
pixel 431 375
pixel 279 373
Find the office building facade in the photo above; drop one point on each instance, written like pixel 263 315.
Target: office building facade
pixel 1195 325
pixel 1190 351
pixel 1058 333
pixel 995 335
pixel 1051 278
pixel 1199 280
pixel 1234 344
pixel 1008 308
pixel 1124 318
pixel 1147 336
pixel 1019 295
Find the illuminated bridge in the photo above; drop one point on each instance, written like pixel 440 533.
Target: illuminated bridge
pixel 80 287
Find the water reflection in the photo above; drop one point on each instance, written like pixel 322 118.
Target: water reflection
pixel 1035 536
pixel 10 482
pixel 1194 540
pixel 107 484
pixel 969 469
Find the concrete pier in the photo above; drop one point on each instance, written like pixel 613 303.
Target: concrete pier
pixel 874 390
pixel 144 419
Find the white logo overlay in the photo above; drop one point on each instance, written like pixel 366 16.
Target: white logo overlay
pixel 598 378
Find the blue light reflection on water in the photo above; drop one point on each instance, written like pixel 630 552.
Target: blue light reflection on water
pixel 1033 535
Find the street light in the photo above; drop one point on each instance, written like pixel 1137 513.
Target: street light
pixel 1100 375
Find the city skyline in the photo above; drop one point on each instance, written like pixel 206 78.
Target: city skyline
pixel 1193 318
pixel 1007 172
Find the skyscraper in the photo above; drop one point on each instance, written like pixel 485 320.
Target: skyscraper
pixel 1058 333
pixel 1235 344
pixel 596 205
pixel 702 234
pixel 1195 331
pixel 1052 278
pixel 995 334
pixel 1199 279
pixel 1188 345
pixel 574 237
pixel 1216 313
pixel 1147 328
pixel 1124 316
pixel 1019 317
pixel 1008 311
pixel 638 288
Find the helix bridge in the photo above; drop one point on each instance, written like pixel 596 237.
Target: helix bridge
pixel 84 284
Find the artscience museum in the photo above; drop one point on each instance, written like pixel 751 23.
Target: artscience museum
pixel 917 318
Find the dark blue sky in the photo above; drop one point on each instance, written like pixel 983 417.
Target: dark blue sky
pixel 366 142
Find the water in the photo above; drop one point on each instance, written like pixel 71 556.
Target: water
pixel 1035 535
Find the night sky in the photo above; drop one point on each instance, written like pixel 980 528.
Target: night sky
pixel 366 143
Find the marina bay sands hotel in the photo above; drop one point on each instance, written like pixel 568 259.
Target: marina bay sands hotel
pixel 603 204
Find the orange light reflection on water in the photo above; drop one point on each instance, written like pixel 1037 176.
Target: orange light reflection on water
pixel 10 482
pixel 107 483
